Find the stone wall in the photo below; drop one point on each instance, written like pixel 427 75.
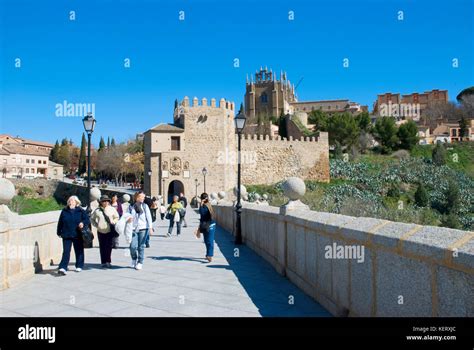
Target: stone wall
pixel 43 187
pixel 65 190
pixel 407 270
pixel 278 159
pixel 61 191
pixel 28 244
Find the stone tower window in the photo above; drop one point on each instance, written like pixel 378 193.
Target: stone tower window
pixel 264 98
pixel 175 143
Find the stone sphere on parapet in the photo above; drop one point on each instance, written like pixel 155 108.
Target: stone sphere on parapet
pixel 221 195
pixel 213 195
pixel 126 198
pixel 265 197
pixel 245 196
pixel 243 190
pixel 294 188
pixel 7 191
pixel 94 194
pixel 256 197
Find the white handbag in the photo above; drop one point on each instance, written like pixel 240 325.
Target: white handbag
pixel 176 216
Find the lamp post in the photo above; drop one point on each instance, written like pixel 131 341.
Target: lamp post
pixel 163 190
pixel 89 125
pixel 204 173
pixel 196 184
pixel 239 120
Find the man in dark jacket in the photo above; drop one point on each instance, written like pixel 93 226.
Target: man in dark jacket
pixel 72 219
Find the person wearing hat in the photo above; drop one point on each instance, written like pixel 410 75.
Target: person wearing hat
pixel 104 219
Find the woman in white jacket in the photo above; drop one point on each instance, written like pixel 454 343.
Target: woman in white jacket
pixel 142 225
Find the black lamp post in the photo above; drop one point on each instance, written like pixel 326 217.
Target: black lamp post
pixel 204 173
pixel 89 125
pixel 196 197
pixel 239 120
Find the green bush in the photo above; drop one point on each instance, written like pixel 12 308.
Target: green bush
pixel 429 193
pixel 421 196
pixel 439 154
pixel 23 205
pixel 26 192
pixel 451 220
pixel 408 135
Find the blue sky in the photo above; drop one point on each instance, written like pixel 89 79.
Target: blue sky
pixel 82 61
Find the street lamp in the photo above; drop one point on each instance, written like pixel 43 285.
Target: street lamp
pixel 163 190
pixel 204 173
pixel 196 197
pixel 239 120
pixel 89 125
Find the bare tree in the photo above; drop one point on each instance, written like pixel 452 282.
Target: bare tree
pixel 437 112
pixel 111 161
pixel 135 165
pixel 467 106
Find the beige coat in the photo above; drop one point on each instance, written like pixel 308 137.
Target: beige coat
pixel 98 219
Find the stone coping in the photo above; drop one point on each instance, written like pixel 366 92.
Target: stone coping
pixel 444 246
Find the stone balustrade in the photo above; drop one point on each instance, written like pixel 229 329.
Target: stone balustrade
pixel 403 269
pixel 28 243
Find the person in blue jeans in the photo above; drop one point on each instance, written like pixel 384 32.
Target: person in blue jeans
pixel 71 220
pixel 207 226
pixel 142 225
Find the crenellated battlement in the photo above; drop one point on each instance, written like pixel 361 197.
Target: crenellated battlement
pixel 204 102
pixel 323 137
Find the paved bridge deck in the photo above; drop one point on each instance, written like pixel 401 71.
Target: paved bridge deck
pixel 176 281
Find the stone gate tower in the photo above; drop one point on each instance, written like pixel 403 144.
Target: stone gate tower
pixel 202 134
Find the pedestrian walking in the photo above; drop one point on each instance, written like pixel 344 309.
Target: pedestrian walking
pixel 142 224
pixel 104 219
pixel 174 214
pixel 71 220
pixel 118 206
pixel 184 202
pixel 162 211
pixel 150 203
pixel 207 225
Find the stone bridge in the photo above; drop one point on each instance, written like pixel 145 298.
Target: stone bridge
pixel 295 262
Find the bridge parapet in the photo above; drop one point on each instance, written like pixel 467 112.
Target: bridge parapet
pixel 363 266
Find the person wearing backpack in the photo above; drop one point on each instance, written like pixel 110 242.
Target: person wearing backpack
pixel 175 214
pixel 104 219
pixel 207 225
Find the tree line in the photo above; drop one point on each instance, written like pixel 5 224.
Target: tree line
pixel 111 161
